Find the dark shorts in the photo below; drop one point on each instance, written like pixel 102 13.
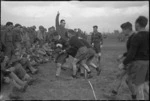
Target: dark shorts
pixel 61 58
pixel 81 53
pixel 138 72
pixel 97 47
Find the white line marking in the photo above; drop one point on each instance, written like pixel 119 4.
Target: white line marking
pixel 1 97
pixel 92 90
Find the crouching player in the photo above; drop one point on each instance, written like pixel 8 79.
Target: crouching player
pixel 91 54
pixel 81 53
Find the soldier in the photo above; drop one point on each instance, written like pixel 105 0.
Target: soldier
pixel 17 35
pixel 40 34
pixel 50 34
pixel 32 34
pixel 97 41
pixel 60 28
pixel 20 79
pixel 8 39
pixel 26 38
pixel 45 34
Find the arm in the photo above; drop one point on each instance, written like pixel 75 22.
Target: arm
pixel 57 21
pixel 101 38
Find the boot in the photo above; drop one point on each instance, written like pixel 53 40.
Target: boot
pixel 89 75
pixel 98 71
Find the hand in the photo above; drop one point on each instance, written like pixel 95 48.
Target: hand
pixel 119 58
pixel 101 46
pixel 92 44
pixel 63 51
pixel 121 66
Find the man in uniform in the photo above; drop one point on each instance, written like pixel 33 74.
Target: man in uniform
pixel 50 32
pixel 17 35
pixel 32 34
pixel 8 39
pixel 60 28
pixel 40 35
pixel 97 41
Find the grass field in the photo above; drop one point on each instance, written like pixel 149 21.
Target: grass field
pixel 47 87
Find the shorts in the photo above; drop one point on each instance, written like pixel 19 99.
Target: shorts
pixel 138 71
pixel 97 47
pixel 90 54
pixel 81 53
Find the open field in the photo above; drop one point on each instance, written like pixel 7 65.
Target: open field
pixel 47 87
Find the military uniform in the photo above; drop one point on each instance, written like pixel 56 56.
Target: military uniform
pixel 40 36
pixel 16 37
pixel 97 40
pixel 8 41
pixel 32 35
pixel 26 40
pixel 61 30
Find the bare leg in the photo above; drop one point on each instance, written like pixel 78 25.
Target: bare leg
pixel 16 84
pixel 15 77
pixel 131 86
pixel 87 68
pixel 146 87
pixel 140 92
pixel 58 69
pixel 118 82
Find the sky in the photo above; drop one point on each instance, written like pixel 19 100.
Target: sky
pixel 108 15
